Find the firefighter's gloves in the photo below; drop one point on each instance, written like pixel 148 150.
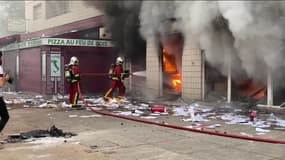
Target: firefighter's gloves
pixel 125 74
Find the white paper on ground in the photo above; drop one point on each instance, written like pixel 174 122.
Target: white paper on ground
pixel 144 105
pixel 214 126
pixel 164 113
pixel 139 112
pixel 189 126
pixel 227 117
pixel 181 111
pixel 43 105
pixel 262 130
pixel 187 120
pixel 245 134
pixel 148 117
pixel 136 114
pixel 261 124
pixel 280 123
pixel 199 118
pixel 90 116
pixel 260 133
pixel 128 113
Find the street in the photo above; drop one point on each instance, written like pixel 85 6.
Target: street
pixel 117 139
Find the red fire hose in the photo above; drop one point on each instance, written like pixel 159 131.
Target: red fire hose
pixel 189 129
pixel 182 128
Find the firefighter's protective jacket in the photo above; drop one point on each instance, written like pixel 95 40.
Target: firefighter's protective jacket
pixel 75 76
pixel 118 73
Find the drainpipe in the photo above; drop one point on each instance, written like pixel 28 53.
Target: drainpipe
pixel 269 89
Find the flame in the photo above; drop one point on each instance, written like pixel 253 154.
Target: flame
pixel 168 62
pixel 169 66
pixel 255 91
pixel 176 82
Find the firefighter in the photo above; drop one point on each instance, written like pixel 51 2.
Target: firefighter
pixel 73 77
pixel 117 76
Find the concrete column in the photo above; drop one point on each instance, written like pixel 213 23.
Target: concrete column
pixel 229 86
pixel 191 71
pixel 269 89
pixel 153 69
pixel 203 75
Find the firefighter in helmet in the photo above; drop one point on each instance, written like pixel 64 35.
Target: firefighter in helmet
pixel 72 76
pixel 117 76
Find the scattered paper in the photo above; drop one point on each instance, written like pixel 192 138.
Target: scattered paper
pixel 262 130
pixel 90 116
pixel 148 117
pixel 214 126
pixel 245 134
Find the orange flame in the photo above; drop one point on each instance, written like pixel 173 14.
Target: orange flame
pixel 176 82
pixel 253 90
pixel 168 62
pixel 169 66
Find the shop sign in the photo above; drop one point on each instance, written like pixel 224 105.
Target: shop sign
pixel 26 44
pixel 58 42
pixel 77 42
pixel 55 65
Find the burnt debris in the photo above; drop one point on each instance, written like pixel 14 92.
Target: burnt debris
pixel 52 132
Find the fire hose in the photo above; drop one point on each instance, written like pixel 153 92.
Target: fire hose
pixel 215 133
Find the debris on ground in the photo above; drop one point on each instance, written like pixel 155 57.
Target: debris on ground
pixel 52 132
pixel 193 113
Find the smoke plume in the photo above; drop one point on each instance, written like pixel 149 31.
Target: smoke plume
pixel 122 20
pixel 248 35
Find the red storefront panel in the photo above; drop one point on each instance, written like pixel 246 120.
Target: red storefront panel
pixel 9 63
pixel 30 70
pixel 94 65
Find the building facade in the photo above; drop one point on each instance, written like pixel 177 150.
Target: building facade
pixel 197 79
pixel 56 31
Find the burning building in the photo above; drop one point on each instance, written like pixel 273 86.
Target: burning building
pixel 199 47
pixel 187 48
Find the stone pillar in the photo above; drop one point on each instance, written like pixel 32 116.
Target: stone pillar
pixel 269 88
pixel 153 69
pixel 192 79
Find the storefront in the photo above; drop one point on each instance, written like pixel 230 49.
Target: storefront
pixel 38 64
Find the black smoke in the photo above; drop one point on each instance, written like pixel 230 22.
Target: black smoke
pixel 122 20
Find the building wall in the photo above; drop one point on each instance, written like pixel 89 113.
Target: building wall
pixel 191 72
pixel 153 69
pixel 78 11
pixel 192 77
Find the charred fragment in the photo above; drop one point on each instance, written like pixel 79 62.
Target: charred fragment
pixel 52 132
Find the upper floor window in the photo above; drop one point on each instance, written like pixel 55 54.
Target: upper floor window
pixel 56 8
pixel 37 11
